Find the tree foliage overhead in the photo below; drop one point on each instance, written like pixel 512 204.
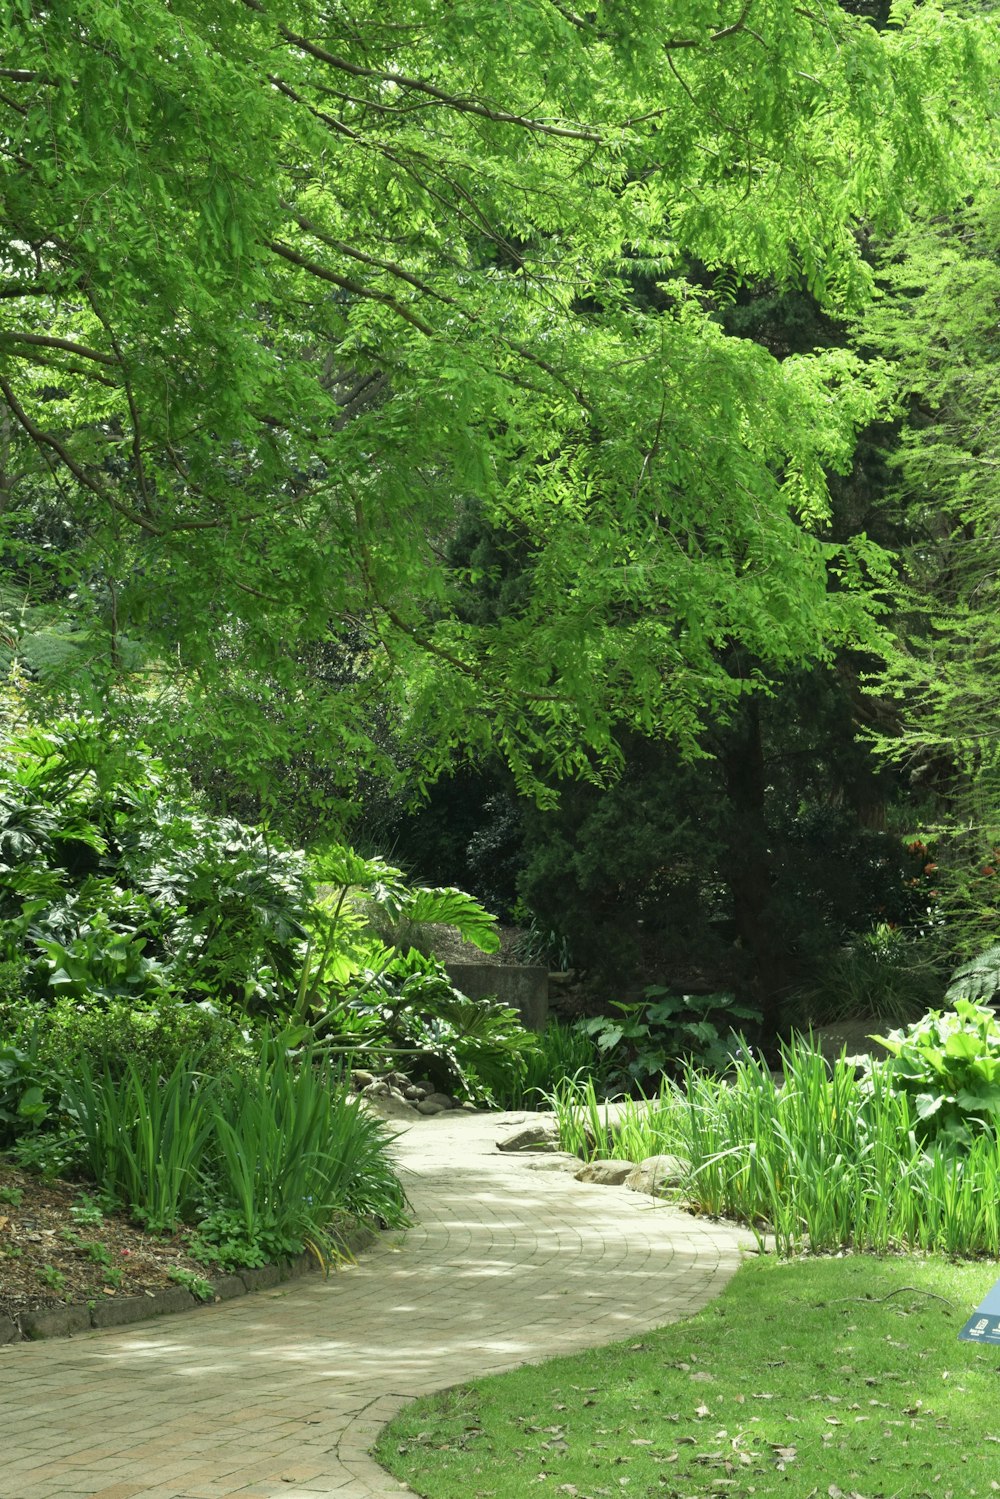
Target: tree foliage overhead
pixel 938 321
pixel 285 284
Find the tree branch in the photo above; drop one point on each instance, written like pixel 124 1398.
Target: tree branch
pixel 46 440
pixel 463 104
pixel 347 284
pixel 42 341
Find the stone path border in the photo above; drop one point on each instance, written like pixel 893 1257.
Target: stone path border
pixel 281 1395
pixel 121 1311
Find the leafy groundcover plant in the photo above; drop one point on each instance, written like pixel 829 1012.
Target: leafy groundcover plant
pixel 948 1064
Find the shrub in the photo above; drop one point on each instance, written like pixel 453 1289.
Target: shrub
pixel 886 975
pixel 115 886
pixel 826 1160
pixel 666 1033
pixel 153 1035
pixel 948 1063
pixel 558 1052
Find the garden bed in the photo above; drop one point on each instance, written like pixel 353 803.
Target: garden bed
pixel 66 1266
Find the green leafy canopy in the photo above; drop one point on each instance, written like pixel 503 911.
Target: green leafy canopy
pixel 285 288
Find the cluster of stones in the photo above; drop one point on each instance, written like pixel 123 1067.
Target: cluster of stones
pixel 654 1175
pixel 395 1095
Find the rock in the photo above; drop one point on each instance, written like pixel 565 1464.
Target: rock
pixel 429 1107
pixel 605 1173
pixel 554 1160
pixel 388 1102
pixel 657 1172
pixel 9 1331
pixel 415 1094
pixel 538 1134
pixel 444 1099
pixel 398 1080
pixel 361 1080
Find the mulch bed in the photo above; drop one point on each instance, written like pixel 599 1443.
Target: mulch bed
pixel 54 1253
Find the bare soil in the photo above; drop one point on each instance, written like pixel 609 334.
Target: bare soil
pixel 57 1247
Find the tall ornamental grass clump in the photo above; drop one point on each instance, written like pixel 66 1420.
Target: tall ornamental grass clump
pixel 288 1151
pixel 827 1159
pixel 261 1165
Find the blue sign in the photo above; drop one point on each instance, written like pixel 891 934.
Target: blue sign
pixel 984 1324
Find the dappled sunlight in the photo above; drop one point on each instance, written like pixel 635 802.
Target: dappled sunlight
pixel 487 1279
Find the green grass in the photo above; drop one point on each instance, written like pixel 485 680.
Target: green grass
pixel 839 1377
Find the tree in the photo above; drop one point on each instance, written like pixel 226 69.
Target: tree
pixel 284 283
pixel 937 321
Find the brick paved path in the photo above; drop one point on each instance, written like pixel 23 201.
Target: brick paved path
pixel 280 1395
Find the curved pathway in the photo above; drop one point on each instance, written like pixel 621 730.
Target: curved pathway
pixel 281 1394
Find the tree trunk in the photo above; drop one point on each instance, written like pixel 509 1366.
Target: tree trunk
pixel 751 870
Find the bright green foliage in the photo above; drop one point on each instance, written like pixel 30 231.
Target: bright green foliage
pixel 949 1064
pixel 119 890
pixel 283 287
pixel 978 979
pixel 288 1151
pixel 150 928
pixel 25 1089
pixel 824 1160
pixel 145 1136
pixel 366 988
pixel 261 1162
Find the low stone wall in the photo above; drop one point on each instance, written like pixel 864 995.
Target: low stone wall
pixel 525 989
pixel 855 1036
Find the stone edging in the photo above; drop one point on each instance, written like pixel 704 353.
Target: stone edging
pixel 65 1321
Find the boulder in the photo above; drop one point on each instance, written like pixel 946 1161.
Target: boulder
pixel 605 1173
pixel 443 1100
pixel 388 1102
pixel 657 1172
pixel 541 1133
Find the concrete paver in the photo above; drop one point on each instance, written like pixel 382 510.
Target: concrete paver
pixel 281 1395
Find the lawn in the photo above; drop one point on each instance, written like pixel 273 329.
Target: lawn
pixel 814 1377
